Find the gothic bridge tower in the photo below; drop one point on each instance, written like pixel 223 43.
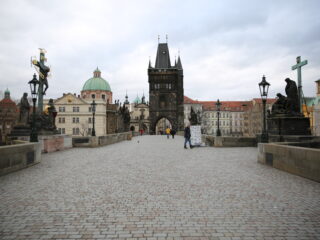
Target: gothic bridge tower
pixel 165 91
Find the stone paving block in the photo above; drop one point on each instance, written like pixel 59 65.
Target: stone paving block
pixel 155 189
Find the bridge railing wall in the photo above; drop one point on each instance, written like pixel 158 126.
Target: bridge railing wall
pixel 97 141
pixel 291 157
pixel 19 155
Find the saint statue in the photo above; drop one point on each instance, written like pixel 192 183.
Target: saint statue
pixel 292 96
pixel 24 109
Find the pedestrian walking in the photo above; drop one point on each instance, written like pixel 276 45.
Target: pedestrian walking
pixel 168 132
pixel 187 136
pixel 172 132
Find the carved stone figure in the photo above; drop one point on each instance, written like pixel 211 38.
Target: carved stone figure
pixel 194 119
pixel 24 109
pixel 280 105
pixel 49 116
pixel 292 97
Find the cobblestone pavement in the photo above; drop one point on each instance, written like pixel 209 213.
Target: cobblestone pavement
pixel 152 188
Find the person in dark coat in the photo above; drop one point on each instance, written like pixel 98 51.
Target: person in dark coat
pixel 173 132
pixel 187 136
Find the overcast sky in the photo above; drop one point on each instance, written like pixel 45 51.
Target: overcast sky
pixel 225 46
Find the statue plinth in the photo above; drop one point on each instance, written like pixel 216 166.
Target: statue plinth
pixel 20 130
pixel 282 124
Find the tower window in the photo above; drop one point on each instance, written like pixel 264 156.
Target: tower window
pixel 93 96
pixel 103 96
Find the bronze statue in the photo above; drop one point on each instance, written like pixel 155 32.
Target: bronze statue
pixel 194 118
pixel 287 105
pixel 49 116
pixel 292 97
pixel 280 105
pixel 43 70
pixel 24 109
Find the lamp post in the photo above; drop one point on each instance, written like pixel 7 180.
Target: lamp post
pixel 264 88
pixel 34 84
pixel 93 108
pixel 218 104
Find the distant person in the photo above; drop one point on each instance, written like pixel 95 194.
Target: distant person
pixel 172 132
pixel 141 132
pixel 168 132
pixel 187 136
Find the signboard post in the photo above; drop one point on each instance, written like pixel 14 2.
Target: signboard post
pixel 195 135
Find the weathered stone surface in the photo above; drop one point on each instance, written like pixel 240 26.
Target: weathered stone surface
pixel 101 140
pixel 285 125
pixel 152 188
pixel 297 160
pixel 235 141
pixel 18 156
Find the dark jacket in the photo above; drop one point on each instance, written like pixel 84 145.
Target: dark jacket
pixel 187 133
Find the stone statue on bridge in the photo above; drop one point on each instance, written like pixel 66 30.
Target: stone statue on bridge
pixel 24 110
pixel 194 117
pixel 288 105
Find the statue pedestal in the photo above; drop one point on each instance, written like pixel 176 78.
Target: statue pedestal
pixel 288 125
pixel 20 130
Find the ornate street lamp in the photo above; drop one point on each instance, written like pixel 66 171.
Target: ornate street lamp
pixel 93 108
pixel 218 104
pixel 34 84
pixel 264 88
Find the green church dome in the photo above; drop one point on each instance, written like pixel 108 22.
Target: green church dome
pixel 96 83
pixel 137 100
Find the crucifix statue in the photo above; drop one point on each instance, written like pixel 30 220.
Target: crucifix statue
pixel 43 71
pixel 298 67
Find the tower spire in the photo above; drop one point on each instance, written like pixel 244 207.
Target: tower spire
pixel 150 62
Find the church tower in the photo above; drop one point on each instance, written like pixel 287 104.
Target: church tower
pixel 165 90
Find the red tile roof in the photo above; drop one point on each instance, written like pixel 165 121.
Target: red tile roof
pixel 227 105
pixel 7 102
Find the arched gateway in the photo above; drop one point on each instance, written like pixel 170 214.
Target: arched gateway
pixel 165 90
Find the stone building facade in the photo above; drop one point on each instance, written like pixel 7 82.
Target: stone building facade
pixel 74 112
pixel 237 118
pixel 8 115
pixel 165 90
pixel 255 115
pixel 316 112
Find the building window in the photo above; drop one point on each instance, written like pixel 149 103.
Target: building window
pixel 75 109
pixel 62 109
pixel 75 131
pixel 62 120
pixel 93 96
pixel 90 109
pixel 103 97
pixel 75 120
pixel 62 130
pixel 90 120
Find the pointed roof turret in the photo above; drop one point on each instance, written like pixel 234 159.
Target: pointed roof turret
pixel 126 101
pixel 143 99
pixel 97 73
pixel 137 100
pixel 149 64
pixel 163 56
pixel 7 93
pixel 179 65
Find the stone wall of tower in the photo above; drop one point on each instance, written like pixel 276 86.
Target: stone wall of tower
pixel 166 96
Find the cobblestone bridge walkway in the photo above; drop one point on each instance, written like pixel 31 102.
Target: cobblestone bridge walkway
pixel 155 189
